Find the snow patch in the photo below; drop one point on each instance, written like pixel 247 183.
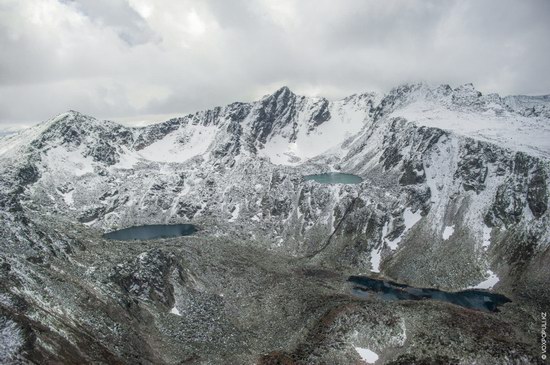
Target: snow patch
pixel 68 198
pixel 60 159
pixel 530 135
pixel 175 311
pixel 385 229
pixel 367 355
pixel 409 219
pixel 489 283
pixel 181 145
pixel 375 258
pixel 235 213
pixel 281 152
pixel 448 232
pixel 127 159
pixel 346 120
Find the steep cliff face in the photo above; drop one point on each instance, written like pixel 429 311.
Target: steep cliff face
pixel 455 195
pixel 461 197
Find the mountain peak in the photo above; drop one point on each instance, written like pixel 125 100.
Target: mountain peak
pixel 69 116
pixel 283 91
pixel 467 89
pixel 468 86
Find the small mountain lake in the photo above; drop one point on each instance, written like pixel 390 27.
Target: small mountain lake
pixel 472 299
pixel 151 232
pixel 334 178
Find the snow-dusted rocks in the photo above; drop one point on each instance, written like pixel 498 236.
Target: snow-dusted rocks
pixel 426 153
pixel 11 340
pixel 447 193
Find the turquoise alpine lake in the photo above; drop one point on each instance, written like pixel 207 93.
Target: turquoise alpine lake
pixel 334 178
pixel 151 232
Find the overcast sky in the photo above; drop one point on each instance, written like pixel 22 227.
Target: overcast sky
pixel 135 60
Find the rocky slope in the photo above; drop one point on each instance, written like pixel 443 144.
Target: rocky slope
pixel 455 195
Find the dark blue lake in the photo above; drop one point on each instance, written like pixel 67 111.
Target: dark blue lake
pixel 151 232
pixel 334 178
pixel 473 299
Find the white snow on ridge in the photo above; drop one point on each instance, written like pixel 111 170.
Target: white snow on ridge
pixel 13 142
pixel 369 356
pixel 175 311
pixel 530 135
pixel 181 145
pixel 345 122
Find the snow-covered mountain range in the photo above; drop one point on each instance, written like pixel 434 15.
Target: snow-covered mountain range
pixel 455 191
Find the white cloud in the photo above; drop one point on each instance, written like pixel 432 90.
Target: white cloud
pixel 131 58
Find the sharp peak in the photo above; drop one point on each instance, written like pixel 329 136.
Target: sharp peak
pixel 467 86
pixel 70 115
pixel 74 116
pixel 286 91
pixel 283 88
pixel 282 91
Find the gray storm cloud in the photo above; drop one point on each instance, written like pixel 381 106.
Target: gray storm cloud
pixel 137 59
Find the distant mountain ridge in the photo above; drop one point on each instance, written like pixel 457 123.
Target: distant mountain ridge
pixel 283 125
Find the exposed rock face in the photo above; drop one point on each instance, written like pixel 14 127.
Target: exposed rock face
pixel 275 113
pixel 472 167
pixel 537 192
pixel 443 204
